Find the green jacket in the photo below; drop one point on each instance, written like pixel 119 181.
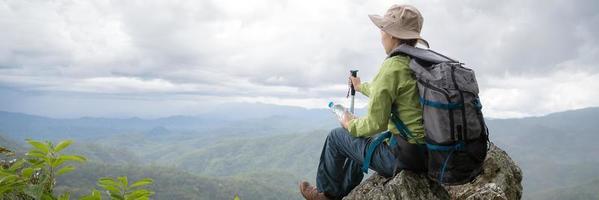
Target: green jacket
pixel 394 84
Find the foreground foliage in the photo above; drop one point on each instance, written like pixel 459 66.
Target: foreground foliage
pixel 34 175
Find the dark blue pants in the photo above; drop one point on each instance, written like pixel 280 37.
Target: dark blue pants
pixel 339 170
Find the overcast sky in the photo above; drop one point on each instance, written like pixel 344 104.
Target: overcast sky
pixel 160 58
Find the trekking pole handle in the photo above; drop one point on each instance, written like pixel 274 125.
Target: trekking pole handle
pixel 354 73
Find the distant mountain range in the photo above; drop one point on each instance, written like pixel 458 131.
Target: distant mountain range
pixel 257 118
pixel 556 152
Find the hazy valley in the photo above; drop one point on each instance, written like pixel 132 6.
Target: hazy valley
pixel 260 151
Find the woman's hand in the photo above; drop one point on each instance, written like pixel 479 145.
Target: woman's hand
pixel 355 81
pixel 346 118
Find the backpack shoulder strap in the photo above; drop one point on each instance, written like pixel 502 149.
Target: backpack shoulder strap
pixel 404 132
pixel 420 54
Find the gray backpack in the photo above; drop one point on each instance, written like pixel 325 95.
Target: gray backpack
pixel 455 132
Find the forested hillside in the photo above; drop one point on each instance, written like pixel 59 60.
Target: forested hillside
pixel 263 157
pixel 171 183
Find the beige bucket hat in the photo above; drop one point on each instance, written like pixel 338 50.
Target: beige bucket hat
pixel 401 21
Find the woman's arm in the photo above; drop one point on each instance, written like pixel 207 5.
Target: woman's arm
pixel 381 94
pixel 363 88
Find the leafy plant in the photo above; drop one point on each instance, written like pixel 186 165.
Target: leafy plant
pixel 94 195
pixel 120 189
pixel 46 158
pixel 11 180
pixel 34 176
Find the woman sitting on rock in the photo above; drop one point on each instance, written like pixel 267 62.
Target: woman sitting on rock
pixel 393 88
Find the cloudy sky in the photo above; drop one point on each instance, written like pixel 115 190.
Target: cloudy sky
pixel 159 58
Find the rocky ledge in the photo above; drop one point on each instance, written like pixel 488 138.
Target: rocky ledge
pixel 501 180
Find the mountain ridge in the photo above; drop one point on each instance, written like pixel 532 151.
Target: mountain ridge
pixel 540 145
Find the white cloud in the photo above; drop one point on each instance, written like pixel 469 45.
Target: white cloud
pixel 290 52
pixel 520 96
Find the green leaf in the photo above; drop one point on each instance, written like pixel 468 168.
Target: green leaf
pixel 123 180
pixel 57 162
pixel 116 196
pixel 111 189
pixel 4 190
pixel 27 172
pixel 16 165
pixel 47 196
pixel 109 185
pixel 62 145
pixel 135 194
pixel 36 163
pixel 72 158
pixel 63 158
pixel 64 170
pixel 139 194
pixel 6 173
pixel 8 179
pixel 36 154
pixel 108 181
pixel 95 195
pixel 142 182
pixel 44 147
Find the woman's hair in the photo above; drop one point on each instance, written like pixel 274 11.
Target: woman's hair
pixel 411 42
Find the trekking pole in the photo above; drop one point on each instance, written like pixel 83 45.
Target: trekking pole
pixel 354 73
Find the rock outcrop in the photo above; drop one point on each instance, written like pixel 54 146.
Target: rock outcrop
pixel 501 180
